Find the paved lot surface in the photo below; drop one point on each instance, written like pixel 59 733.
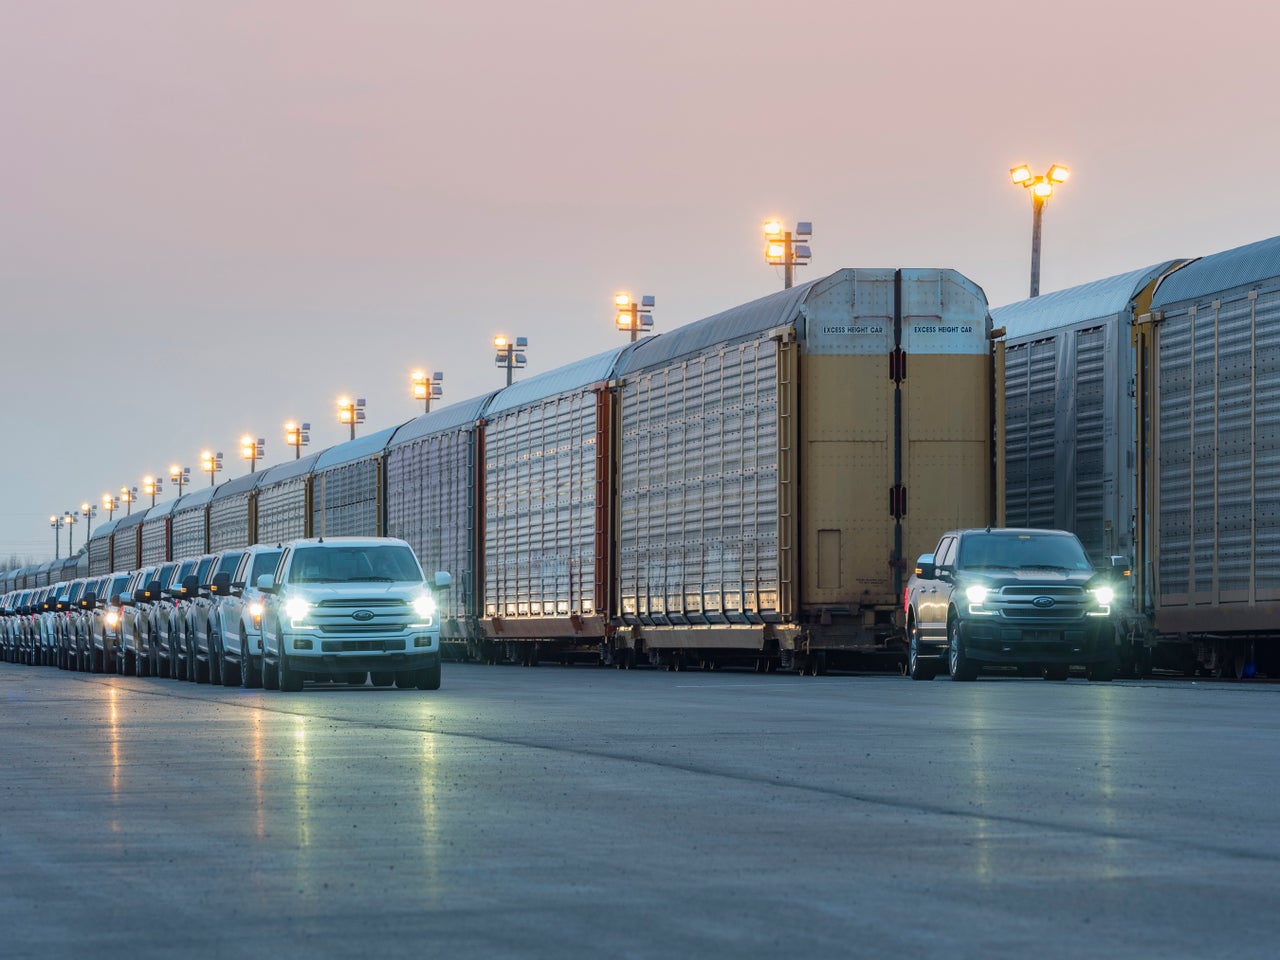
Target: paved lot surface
pixel 594 813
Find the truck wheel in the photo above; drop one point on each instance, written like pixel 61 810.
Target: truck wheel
pixel 1055 671
pixel 406 679
pixel 382 678
pixel 1102 672
pixel 290 680
pixel 917 668
pixel 357 679
pixel 429 679
pixel 960 666
pixel 250 671
pixel 270 679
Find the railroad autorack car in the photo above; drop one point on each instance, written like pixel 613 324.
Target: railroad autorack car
pixel 1210 353
pixel 433 504
pixel 548 455
pixel 779 462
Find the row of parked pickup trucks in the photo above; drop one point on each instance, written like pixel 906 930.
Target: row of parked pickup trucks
pixel 337 609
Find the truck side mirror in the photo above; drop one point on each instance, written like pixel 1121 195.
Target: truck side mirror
pixel 267 583
pixel 221 586
pixel 89 601
pixel 925 568
pixel 443 580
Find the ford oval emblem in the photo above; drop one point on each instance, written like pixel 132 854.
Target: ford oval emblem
pixel 1043 602
pixel 362 615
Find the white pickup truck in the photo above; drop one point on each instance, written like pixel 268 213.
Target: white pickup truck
pixel 341 608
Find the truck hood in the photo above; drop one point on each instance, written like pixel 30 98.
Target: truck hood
pixel 1035 576
pixel 358 590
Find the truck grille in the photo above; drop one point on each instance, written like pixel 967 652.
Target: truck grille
pixel 1029 604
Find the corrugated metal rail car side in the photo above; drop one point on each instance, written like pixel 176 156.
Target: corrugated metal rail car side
pixel 189 524
pixel 100 559
pixel 231 514
pixel 1211 345
pixel 1071 414
pixel 547 490
pixel 284 501
pixel 126 541
pixel 432 504
pixel 156 534
pixel 347 488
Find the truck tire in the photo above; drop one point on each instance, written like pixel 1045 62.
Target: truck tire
pixel 429 678
pixel 918 668
pixel 290 681
pixel 959 664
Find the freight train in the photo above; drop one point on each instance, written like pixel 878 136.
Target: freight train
pixel 746 489
pixel 751 488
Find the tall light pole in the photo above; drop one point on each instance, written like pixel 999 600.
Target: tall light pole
pixel 297 437
pixel 1041 188
pixel 633 316
pixel 57 534
pixel 181 476
pixel 109 504
pixel 509 355
pixel 210 463
pixel 127 496
pixel 427 388
pixel 68 520
pixel 351 412
pixel 152 486
pixel 781 248
pixel 252 450
pixel 88 511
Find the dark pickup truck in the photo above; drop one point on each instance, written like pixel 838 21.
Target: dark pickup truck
pixel 1027 599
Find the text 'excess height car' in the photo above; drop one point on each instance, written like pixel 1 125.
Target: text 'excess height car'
pixel 1027 599
pixel 345 607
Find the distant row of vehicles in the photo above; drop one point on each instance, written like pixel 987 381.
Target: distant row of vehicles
pixel 342 609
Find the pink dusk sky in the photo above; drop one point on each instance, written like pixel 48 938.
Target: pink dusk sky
pixel 219 216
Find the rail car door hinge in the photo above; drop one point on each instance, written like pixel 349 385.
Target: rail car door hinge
pixel 898 502
pixel 898 365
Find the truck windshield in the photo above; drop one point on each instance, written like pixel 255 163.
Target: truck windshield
pixel 1022 551
pixel 330 564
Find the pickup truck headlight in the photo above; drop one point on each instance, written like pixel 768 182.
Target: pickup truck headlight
pixel 113 619
pixel 425 607
pixel 297 609
pixel 977 595
pixel 1102 596
pixel 255 609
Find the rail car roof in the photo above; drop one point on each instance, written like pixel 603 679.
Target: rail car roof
pixel 357 449
pixel 572 376
pixel 189 501
pixel 289 470
pixel 159 510
pixel 1252 263
pixel 1095 300
pixel 239 485
pixel 133 519
pixel 775 310
pixel 104 529
pixel 438 421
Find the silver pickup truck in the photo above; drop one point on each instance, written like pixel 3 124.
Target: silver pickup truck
pixel 344 608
